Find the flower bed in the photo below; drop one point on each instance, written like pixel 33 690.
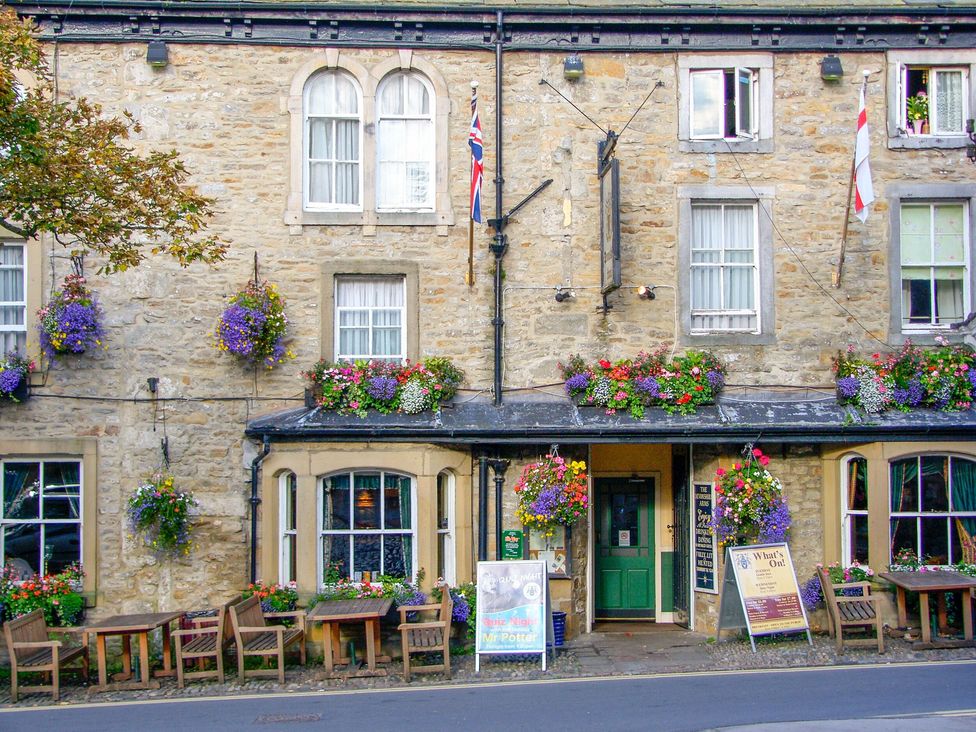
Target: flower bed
pixel 160 513
pixel 253 327
pixel 356 388
pixel 681 386
pixel 941 378
pixel 749 504
pixel 57 596
pixel 552 492
pixel 811 592
pixel 71 321
pixel 15 371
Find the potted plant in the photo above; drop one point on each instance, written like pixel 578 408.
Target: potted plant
pixel 274 598
pixel 749 504
pixel 917 113
pixel 552 492
pixel 254 325
pixel 160 513
pixel 15 371
pixel 71 321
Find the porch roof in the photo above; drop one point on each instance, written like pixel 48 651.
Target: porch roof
pixel 797 416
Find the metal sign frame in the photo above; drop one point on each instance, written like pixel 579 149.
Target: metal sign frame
pixel 521 595
pixel 610 279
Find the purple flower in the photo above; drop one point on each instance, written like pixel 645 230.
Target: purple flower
pixel 240 328
pixel 910 397
pixel 972 377
pixel 715 379
pixel 648 385
pixel 547 501
pixel 848 386
pixel 577 383
pixel 382 388
pixel 461 610
pixel 775 523
pixel 811 593
pixel 9 380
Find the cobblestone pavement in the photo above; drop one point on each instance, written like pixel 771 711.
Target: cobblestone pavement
pixel 663 650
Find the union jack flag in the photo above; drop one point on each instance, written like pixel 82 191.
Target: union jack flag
pixel 476 144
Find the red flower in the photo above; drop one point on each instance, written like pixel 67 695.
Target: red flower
pixel 764 461
pixel 756 452
pixel 720 472
pixel 605 364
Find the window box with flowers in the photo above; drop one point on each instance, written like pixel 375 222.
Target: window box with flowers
pixel 381 386
pixel 811 591
pixel 274 598
pixel 254 326
pixel 58 596
pixel 15 371
pixel 941 378
pixel 749 504
pixel 679 386
pixel 160 513
pixel 71 323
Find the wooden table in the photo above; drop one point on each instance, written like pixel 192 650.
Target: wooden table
pixel 935 581
pixel 129 625
pixel 368 610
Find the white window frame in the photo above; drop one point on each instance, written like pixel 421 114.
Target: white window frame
pixel 402 77
pixel 339 356
pixel 908 327
pixel 931 91
pixel 720 77
pixel 845 512
pixel 287 560
pixel 19 331
pixel 306 136
pixel 723 266
pixel 920 514
pixel 322 533
pixel 445 534
pixel 43 522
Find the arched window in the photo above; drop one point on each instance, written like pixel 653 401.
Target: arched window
pixel 445 527
pixel 287 528
pixel 854 511
pixel 333 146
pixel 405 143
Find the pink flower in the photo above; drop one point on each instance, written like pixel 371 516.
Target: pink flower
pixel 720 472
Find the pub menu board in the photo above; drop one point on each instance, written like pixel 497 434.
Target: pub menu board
pixel 767 586
pixel 704 539
pixel 512 608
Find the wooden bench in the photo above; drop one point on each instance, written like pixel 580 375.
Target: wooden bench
pixel 255 638
pixel 427 637
pixel 31 650
pixel 209 638
pixel 854 611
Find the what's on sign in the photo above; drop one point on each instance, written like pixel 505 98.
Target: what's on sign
pixel 766 583
pixel 511 608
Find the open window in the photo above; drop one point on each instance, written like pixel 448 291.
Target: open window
pixel 723 104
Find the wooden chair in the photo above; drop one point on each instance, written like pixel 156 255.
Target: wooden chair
pixel 255 638
pixel 856 611
pixel 209 638
pixel 427 637
pixel 31 650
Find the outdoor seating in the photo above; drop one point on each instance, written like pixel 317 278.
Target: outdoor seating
pixel 854 611
pixel 31 650
pixel 427 636
pixel 255 637
pixel 209 638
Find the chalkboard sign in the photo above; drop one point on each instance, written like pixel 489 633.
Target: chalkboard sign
pixel 704 539
pixel 512 609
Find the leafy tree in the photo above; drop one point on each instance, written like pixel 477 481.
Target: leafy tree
pixel 66 169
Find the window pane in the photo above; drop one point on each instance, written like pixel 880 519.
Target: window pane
pixel 904 485
pixel 858 539
pixel 22 548
pixel 443 515
pixel 62 546
pixel 335 550
pixel 291 552
pixel 367 506
pixel 320 132
pixel 335 506
pixel 935 540
pixel 291 496
pixel 935 487
pixel 391 96
pixel 624 510
pixel 366 554
pixel 397 502
pixel 346 98
pixel 396 556
pixel 949 295
pixel 904 535
pixel 949 233
pixel 21 490
pixel 916 234
pixel 706 104
pixel 320 94
pixel 949 101
pixel 857 485
pixel 61 479
pixel 744 101
pixel 320 182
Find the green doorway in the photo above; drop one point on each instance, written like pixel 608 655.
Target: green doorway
pixel 624 547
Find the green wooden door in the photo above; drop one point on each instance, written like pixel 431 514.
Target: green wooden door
pixel 625 548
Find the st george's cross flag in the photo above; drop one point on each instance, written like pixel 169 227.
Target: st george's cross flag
pixel 476 144
pixel 863 188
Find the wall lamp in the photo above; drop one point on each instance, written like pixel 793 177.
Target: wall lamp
pixel 563 295
pixel 646 292
pixel 830 68
pixel 573 67
pixel 971 145
pixel 157 55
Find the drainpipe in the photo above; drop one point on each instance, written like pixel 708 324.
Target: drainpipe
pixel 482 509
pixel 500 244
pixel 499 467
pixel 255 501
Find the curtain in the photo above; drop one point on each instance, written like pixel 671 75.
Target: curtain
pixel 333 132
pixel 370 316
pixel 948 101
pixel 13 300
pixel 404 143
pixel 723 267
pixel 857 478
pixel 904 474
pixel 963 487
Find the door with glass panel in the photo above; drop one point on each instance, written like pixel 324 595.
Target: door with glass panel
pixel 625 548
pixel 367 525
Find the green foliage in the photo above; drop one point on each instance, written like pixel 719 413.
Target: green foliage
pixel 160 513
pixel 67 170
pixel 55 595
pixel 274 598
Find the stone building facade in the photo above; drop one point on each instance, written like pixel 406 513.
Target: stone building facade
pixel 234 99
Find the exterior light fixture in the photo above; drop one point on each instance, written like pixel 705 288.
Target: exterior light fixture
pixel 573 67
pixel 971 145
pixel 830 69
pixel 157 55
pixel 563 295
pixel 646 292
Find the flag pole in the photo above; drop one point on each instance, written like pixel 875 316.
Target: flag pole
pixel 847 213
pixel 469 276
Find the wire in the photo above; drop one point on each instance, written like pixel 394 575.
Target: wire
pixel 803 266
pixel 592 122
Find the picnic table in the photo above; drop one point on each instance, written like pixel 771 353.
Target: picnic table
pixel 940 582
pixel 332 613
pixel 140 625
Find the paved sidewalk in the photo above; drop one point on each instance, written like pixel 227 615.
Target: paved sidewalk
pixel 615 650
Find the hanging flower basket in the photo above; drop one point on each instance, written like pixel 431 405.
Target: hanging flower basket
pixel 254 326
pixel 749 504
pixel 15 371
pixel 71 323
pixel 160 513
pixel 552 492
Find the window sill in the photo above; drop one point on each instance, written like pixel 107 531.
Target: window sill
pixel 725 146
pixel 369 218
pixel 927 337
pixel 927 142
pixel 728 339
